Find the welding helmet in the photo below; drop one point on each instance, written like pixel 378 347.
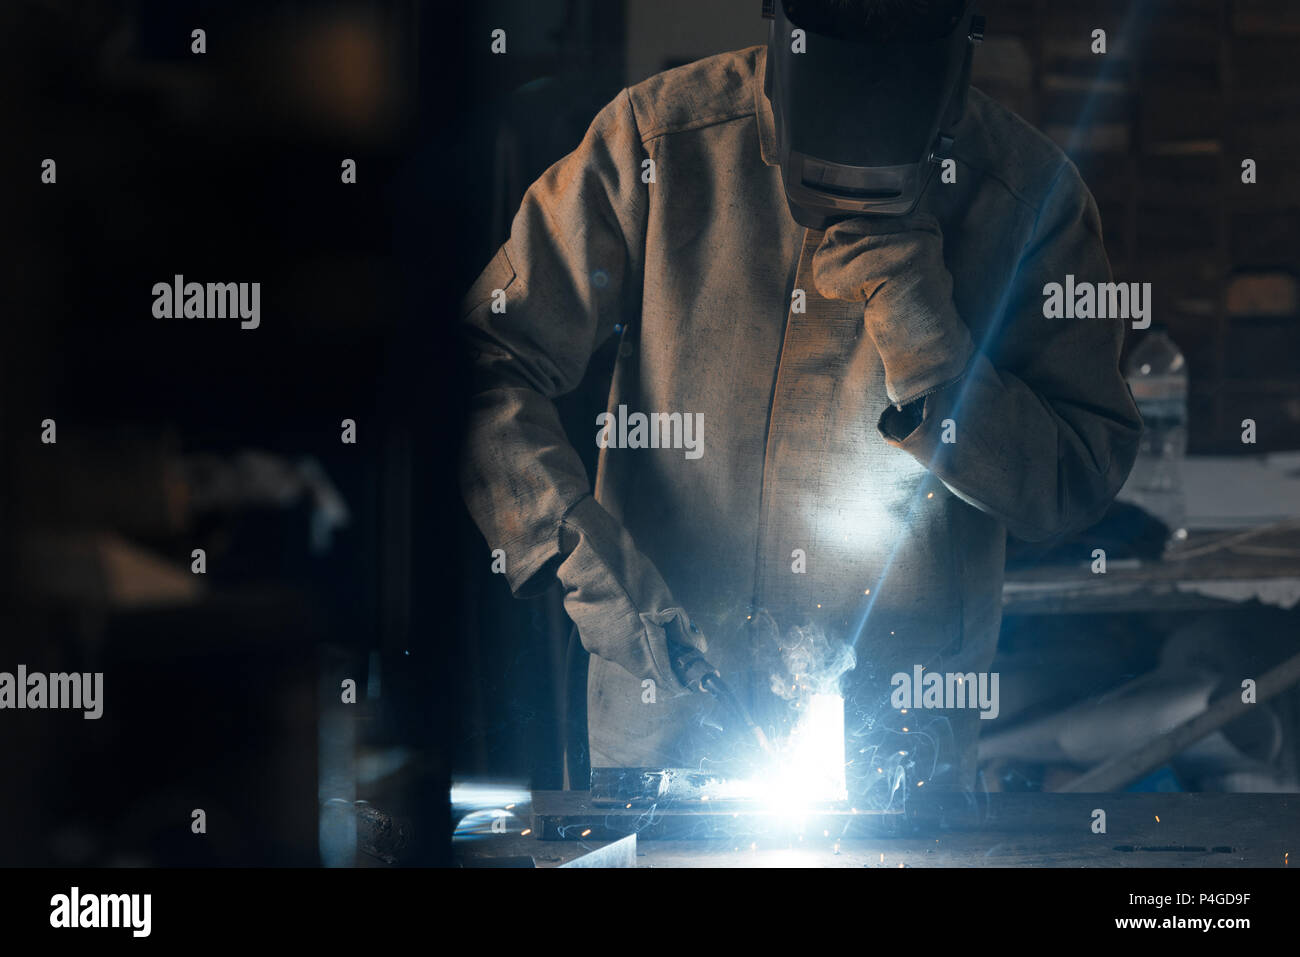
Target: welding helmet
pixel 865 112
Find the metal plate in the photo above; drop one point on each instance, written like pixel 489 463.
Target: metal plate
pixel 621 853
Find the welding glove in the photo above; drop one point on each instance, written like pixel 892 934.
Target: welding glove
pixel 621 604
pixel 895 267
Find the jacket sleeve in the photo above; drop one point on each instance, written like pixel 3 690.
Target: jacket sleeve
pixel 570 271
pixel 1046 430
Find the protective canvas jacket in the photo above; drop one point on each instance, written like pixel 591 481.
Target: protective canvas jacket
pixel 812 500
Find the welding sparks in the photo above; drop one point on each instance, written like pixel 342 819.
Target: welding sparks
pixel 811 768
pixel 585 833
pixel 525 832
pixel 806 770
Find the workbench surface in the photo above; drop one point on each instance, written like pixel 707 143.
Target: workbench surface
pixel 993 830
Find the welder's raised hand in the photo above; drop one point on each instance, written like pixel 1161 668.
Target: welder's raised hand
pixel 895 267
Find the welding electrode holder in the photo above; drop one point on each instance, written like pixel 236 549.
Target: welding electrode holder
pixel 696 673
pixel 689 664
pixel 714 685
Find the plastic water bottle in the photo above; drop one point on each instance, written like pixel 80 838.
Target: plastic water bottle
pixel 1157 374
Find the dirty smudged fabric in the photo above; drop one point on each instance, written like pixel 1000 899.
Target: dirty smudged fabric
pixel 903 534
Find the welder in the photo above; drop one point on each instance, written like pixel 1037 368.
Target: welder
pixel 833 249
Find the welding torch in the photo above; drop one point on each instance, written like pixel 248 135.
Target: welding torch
pixel 695 672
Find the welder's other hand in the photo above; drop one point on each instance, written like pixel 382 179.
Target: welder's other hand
pixel 895 267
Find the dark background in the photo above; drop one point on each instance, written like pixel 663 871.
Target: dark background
pixel 225 167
